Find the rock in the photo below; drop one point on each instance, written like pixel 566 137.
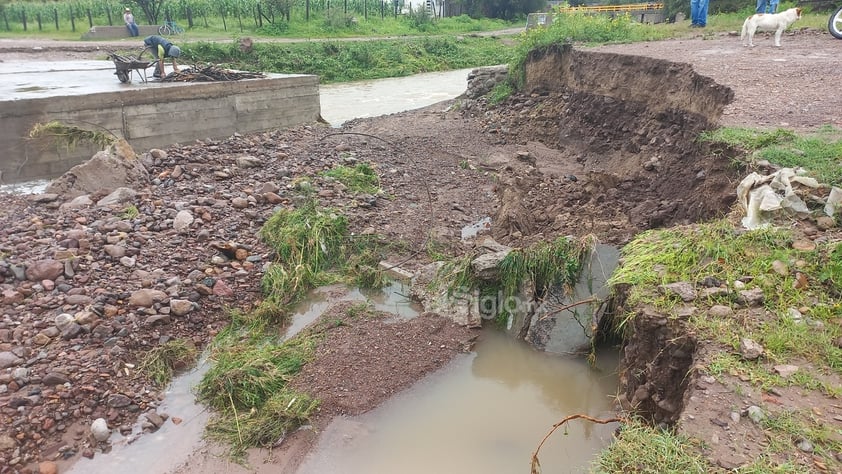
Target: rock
pixel 804 245
pixel 63 320
pixel 805 446
pixel 239 203
pixel 825 222
pixel 11 297
pixel 756 414
pixel 220 288
pixel 114 251
pixel 750 349
pixel 85 317
pixel 9 359
pixel 486 266
pixel 786 370
pixel 105 170
pixel 120 195
pixel 146 297
pixel 248 162
pixel 100 430
pixel 682 289
pixel 41 339
pixel 720 311
pixel 780 268
pixel 55 378
pixel 155 418
pixel 71 331
pixel 118 400
pixel 752 297
pixel 182 221
pixel 180 307
pixel 7 443
pixel 47 467
pixel 79 300
pixel 48 269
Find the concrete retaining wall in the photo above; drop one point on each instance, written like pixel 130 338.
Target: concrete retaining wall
pixel 153 117
pixel 112 32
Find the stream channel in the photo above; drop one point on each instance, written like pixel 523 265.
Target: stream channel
pixel 485 412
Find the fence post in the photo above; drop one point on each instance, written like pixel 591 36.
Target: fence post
pixel 259 16
pixel 189 14
pixel 90 20
pixel 224 26
pixel 108 12
pixel 55 17
pixel 72 20
pixel 38 19
pixel 307 10
pixel 23 17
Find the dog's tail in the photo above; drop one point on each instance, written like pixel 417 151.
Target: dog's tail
pixel 745 27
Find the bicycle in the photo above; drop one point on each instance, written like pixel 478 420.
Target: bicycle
pixel 170 27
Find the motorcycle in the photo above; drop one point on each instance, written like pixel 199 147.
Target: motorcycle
pixel 834 24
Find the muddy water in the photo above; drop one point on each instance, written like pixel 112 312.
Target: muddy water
pixel 343 102
pixel 485 412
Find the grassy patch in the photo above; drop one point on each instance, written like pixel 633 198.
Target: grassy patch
pixel 643 448
pixel 796 322
pixel 160 363
pixel 360 178
pixel 340 61
pixel 247 385
pixel 818 152
pixel 546 265
pixel 499 93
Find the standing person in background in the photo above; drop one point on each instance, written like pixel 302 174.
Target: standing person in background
pixel 699 13
pixel 161 48
pixel 130 24
pixel 767 6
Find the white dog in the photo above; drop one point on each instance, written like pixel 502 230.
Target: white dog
pixel 776 22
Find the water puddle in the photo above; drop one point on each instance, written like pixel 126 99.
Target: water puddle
pixel 172 444
pixel 28 187
pixel 471 231
pixel 392 298
pixel 485 412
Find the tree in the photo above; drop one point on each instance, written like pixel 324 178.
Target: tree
pixel 504 9
pixel 151 9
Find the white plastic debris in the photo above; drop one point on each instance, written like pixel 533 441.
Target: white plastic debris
pixel 762 196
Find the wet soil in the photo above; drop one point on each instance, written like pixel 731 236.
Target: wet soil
pixel 546 163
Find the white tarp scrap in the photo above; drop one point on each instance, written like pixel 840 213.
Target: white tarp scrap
pixel 761 197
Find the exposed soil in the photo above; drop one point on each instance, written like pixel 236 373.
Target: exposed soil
pixel 560 160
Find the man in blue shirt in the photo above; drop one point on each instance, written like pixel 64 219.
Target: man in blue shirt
pixel 161 48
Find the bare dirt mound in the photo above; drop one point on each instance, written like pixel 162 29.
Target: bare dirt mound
pixel 609 153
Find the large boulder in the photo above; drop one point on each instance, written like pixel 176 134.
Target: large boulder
pixel 108 170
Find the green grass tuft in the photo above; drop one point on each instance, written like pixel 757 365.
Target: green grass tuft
pixel 160 363
pixel 358 179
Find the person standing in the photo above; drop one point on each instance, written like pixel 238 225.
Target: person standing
pixel 699 13
pixel 767 6
pixel 161 48
pixel 130 24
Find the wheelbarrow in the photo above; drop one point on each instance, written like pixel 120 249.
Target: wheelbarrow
pixel 126 65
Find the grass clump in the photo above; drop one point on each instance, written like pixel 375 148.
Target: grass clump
pixel 545 265
pixel 798 322
pixel 160 363
pixel 361 178
pixel 818 152
pixel 647 449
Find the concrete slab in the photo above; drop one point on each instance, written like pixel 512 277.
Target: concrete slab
pixel 152 114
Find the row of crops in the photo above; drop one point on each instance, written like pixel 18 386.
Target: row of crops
pixel 82 14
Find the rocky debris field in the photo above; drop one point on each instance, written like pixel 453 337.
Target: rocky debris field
pixel 91 283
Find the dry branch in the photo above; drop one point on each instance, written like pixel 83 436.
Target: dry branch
pixel 536 466
pixel 210 73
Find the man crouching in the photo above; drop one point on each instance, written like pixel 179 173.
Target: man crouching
pixel 161 48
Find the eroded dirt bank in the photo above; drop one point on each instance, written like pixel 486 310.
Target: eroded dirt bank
pixel 570 163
